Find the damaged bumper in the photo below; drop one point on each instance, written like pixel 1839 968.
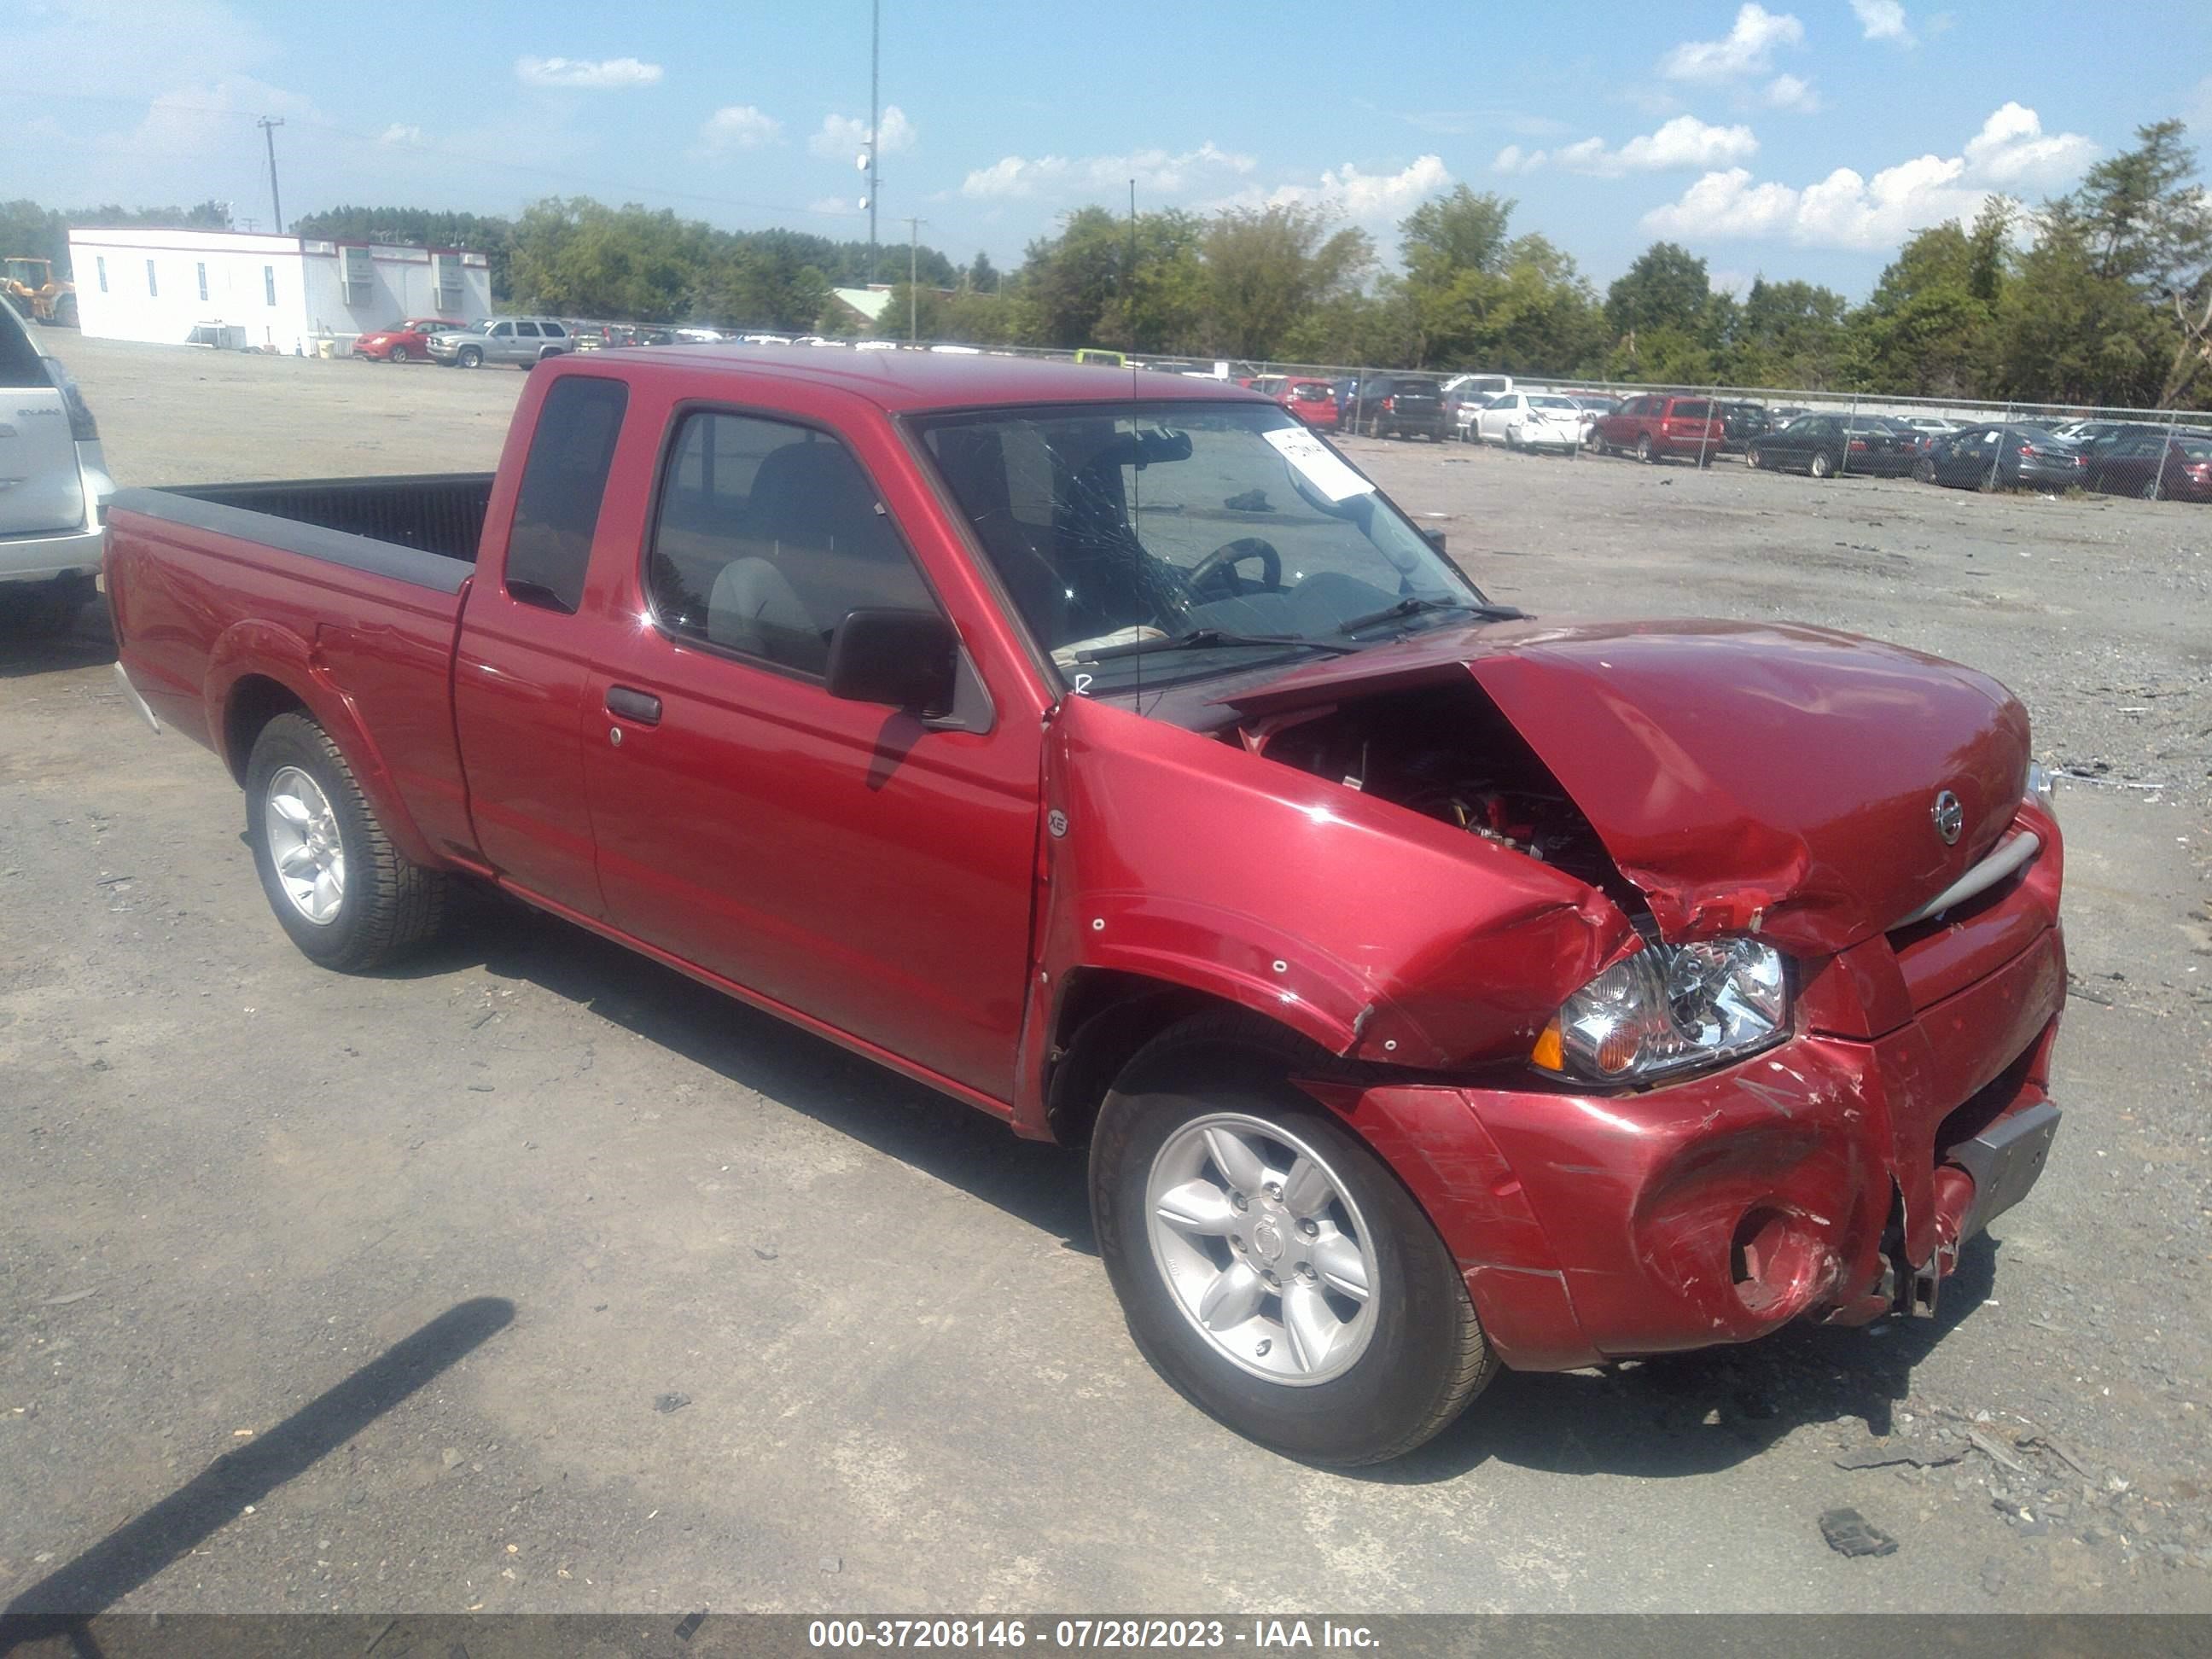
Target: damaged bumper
pixel 1833 1177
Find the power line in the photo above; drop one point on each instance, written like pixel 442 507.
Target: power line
pixel 375 141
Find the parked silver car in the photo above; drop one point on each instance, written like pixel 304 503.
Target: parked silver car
pixel 524 340
pixel 53 483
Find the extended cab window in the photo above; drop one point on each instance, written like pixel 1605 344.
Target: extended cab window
pixel 563 482
pixel 766 536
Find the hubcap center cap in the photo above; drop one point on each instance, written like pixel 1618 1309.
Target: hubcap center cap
pixel 1268 1241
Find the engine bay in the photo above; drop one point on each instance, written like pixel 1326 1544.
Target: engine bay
pixel 1445 753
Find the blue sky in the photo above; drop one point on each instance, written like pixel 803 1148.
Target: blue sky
pixel 1803 137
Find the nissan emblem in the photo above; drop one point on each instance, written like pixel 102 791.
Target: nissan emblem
pixel 1950 817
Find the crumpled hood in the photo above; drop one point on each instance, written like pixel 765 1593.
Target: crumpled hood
pixel 1742 775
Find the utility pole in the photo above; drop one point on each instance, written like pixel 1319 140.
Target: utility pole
pixel 875 145
pixel 913 256
pixel 276 202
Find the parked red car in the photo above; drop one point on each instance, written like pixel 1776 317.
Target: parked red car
pixel 1436 988
pixel 404 343
pixel 1656 426
pixel 1313 401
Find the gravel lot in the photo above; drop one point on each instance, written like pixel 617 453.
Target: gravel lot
pixel 702 1313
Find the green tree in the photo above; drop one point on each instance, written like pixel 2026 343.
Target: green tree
pixel 1267 268
pixel 1785 334
pixel 982 276
pixel 1665 288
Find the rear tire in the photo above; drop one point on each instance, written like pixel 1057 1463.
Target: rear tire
pixel 386 904
pixel 1645 452
pixel 1821 466
pixel 1376 1374
pixel 1923 471
pixel 2150 492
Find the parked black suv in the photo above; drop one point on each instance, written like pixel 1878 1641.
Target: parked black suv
pixel 1740 424
pixel 1398 405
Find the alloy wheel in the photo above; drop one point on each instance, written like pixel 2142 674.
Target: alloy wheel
pixel 304 845
pixel 1262 1248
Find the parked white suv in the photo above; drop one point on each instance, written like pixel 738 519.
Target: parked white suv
pixel 53 483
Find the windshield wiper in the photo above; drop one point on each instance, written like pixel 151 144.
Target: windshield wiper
pixel 1205 639
pixel 1419 607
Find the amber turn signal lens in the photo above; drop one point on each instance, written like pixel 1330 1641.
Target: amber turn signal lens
pixel 1548 1053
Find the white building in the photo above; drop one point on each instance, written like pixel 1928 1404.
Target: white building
pixel 284 293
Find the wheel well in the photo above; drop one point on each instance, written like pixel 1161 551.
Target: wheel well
pixel 254 702
pixel 1104 1019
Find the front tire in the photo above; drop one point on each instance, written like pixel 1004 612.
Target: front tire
pixel 469 357
pixel 349 899
pixel 1271 1267
pixel 398 354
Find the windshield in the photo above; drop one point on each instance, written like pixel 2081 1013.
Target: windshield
pixel 1553 403
pixel 1111 527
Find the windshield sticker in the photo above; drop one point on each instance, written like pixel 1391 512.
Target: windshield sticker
pixel 1317 464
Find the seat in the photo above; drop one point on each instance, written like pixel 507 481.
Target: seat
pixel 754 608
pixel 973 462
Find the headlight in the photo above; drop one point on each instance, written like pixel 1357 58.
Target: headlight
pixel 2043 784
pixel 1670 1008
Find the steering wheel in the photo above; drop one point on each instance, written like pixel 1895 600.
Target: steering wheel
pixel 1219 568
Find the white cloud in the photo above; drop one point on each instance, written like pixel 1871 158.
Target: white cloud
pixel 1748 48
pixel 199 121
pixel 396 136
pixel 1684 142
pixel 843 137
pixel 1883 20
pixel 1157 173
pixel 737 126
pixel 1788 92
pixel 2012 148
pixel 1847 209
pixel 1358 196
pixel 840 204
pixel 604 75
pixel 1514 159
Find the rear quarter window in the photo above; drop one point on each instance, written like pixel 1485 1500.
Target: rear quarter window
pixel 557 512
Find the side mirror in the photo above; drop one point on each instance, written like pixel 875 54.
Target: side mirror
pixel 1435 538
pixel 905 659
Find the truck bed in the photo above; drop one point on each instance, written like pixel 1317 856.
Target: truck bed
pixel 379 525
pixel 309 585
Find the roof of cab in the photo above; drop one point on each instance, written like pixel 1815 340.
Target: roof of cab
pixel 902 380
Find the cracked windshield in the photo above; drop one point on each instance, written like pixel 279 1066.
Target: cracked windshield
pixel 1221 533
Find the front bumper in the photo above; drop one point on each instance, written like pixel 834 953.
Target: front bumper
pixel 1833 1177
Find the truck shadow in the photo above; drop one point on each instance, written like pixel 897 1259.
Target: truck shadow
pixel 58 1606
pixel 1041 1184
pixel 1698 1412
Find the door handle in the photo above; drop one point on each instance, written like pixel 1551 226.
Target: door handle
pixel 640 705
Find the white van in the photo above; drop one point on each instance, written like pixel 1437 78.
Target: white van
pixel 53 483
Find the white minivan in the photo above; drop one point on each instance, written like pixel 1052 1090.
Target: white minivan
pixel 53 483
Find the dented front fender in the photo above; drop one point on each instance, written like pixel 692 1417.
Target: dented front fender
pixel 1376 932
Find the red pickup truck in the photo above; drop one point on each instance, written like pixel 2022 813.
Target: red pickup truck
pixel 1435 987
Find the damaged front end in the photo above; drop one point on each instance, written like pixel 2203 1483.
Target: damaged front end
pixel 1637 919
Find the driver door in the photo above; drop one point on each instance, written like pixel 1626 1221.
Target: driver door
pixel 863 868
